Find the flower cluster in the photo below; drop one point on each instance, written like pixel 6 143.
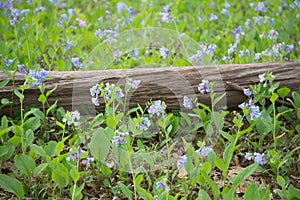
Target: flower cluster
pixel 33 77
pixel 257 157
pixel 76 62
pixel 144 124
pixel 187 103
pixel 68 46
pixel 72 118
pixel 76 155
pixel 160 185
pixel 80 23
pixel 198 57
pixel 165 14
pixel 8 62
pixel 157 108
pixel 120 138
pixel 133 84
pixel 266 78
pixel 181 161
pixel 204 87
pixel 164 52
pixel 253 110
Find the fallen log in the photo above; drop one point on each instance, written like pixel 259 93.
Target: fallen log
pixel 167 84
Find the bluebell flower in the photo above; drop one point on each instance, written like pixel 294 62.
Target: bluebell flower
pixel 117 55
pixel 157 108
pixel 260 7
pixel 248 24
pixel 257 20
pixel 63 17
pixel 120 139
pixel 187 103
pixel 119 94
pixel 87 162
pixel 164 52
pixel 243 53
pixel 247 92
pixel 225 59
pixel 212 4
pixel 273 35
pixel 68 46
pixel 145 124
pixel 95 90
pixel 288 48
pixel 80 23
pixel 204 87
pixel 232 49
pixel 8 62
pixel 265 78
pixel 25 12
pixel 257 56
pixel 204 151
pixel 75 155
pixel 71 118
pixel 248 156
pixel 260 158
pixel 76 62
pixel 35 78
pixel 95 101
pixel 225 12
pixel 213 17
pixel 71 12
pixel 133 84
pixel 165 15
pixel 181 161
pixel 160 185
pixel 276 50
pixel 210 49
pixel 267 53
pixel 15 13
pixel 98 33
pixel 197 58
pixel 135 53
pixel 254 112
pixel 22 69
pixel 121 6
pixel 226 5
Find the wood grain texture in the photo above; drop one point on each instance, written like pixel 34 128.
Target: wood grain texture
pixel 167 84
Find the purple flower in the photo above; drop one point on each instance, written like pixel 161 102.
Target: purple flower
pixel 232 49
pixel 197 58
pixel 253 110
pixel 145 124
pixel 25 12
pixel 257 56
pixel 165 15
pixel 187 103
pixel 276 50
pixel 247 92
pixel 265 78
pixel 260 7
pixel 75 155
pixel 181 161
pixel 248 24
pixel 71 12
pixel 257 20
pixel 260 158
pixel 225 12
pixel 121 6
pixel 212 4
pixel 120 139
pixel 273 35
pixel 95 90
pixel 98 33
pixel 119 94
pixel 160 185
pixel 227 5
pixel 288 48
pixel 80 23
pixel 95 101
pixel 164 52
pixel 225 59
pixel 63 17
pixel 244 53
pixel 87 162
pixel 68 46
pixel 213 17
pixel 135 53
pixel 248 156
pixel 204 151
pixel 210 49
pixel 22 69
pixel 204 87
pixel 76 62
pixel 8 62
pixel 157 108
pixel 133 84
pixel 117 55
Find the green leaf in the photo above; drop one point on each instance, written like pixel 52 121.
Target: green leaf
pixel 21 96
pixel 12 185
pixel 51 91
pixel 4 83
pixel 60 175
pixel 6 151
pixel 111 122
pixel 50 148
pixel 283 92
pixel 252 192
pixel 74 174
pixel 144 194
pixel 39 169
pixel 99 144
pixel 281 182
pixel 3 48
pixel 51 109
pixel 274 97
pixel 78 192
pixel 221 165
pixel 126 191
pixel 227 136
pixel 42 98
pixel 296 98
pixel 59 147
pixel 61 125
pixel 25 164
pixel 202 195
pixel 298 113
pixel 138 180
pixel 32 123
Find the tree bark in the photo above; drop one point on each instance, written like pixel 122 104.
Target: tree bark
pixel 167 84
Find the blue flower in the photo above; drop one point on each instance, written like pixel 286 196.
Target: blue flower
pixel 247 92
pixel 71 12
pixel 8 62
pixel 187 103
pixel 133 84
pixel 98 33
pixel 225 12
pixel 157 108
pixel 248 24
pixel 135 53
pixel 260 158
pixel 181 161
pixel 145 124
pixel 227 5
pixel 72 118
pixel 248 156
pixel 36 77
pixel 22 69
pixel 232 49
pixel 68 46
pixel 273 35
pixel 260 7
pixel 117 55
pixel 257 20
pixel 204 87
pixel 119 139
pixel 164 52
pixel 121 6
pixel 76 62
pixel 63 17
pixel 204 151
pixel 160 185
pixel 75 155
pixel 213 17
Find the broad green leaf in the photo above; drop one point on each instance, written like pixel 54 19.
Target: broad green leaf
pixel 74 174
pixel 252 192
pixel 126 191
pixel 12 185
pixel 39 169
pixel 138 180
pixel 77 194
pixel 60 175
pixel 59 147
pixel 4 83
pixel 296 99
pixel 42 98
pixel 274 97
pixel 51 91
pixel 283 92
pixel 221 165
pixel 202 195
pixel 25 164
pixel 144 194
pixel 50 148
pixel 99 145
pixel 32 123
pixel 21 96
pixel 111 122
pixel 6 151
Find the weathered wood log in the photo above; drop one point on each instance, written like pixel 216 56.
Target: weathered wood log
pixel 167 84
